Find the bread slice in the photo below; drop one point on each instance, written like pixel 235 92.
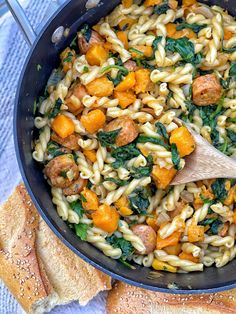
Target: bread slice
pixel 36 266
pixel 126 299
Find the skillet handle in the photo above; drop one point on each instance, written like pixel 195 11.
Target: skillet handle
pixel 24 23
pixel 22 20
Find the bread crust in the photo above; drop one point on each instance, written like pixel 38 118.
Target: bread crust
pixel 126 299
pixel 39 270
pixel 20 267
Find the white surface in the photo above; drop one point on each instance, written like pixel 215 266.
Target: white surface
pixel 13 51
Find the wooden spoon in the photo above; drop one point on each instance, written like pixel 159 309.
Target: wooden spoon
pixel 206 162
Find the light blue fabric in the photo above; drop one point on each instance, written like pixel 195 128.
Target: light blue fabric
pixel 13 51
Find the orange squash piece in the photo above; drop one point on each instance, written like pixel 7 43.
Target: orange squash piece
pixel 143 81
pixel 188 257
pixel 93 121
pixel 227 34
pixel 90 154
pixel 234 217
pixel 100 87
pixel 63 126
pixel 188 3
pixel 126 23
pixel 91 198
pixel 173 249
pixel 170 29
pixel 150 3
pixel 127 3
pixel 230 197
pixel 195 233
pixel 127 83
pixel 145 51
pixel 173 239
pixel 123 38
pixel 125 98
pixel 173 4
pixel 106 218
pixel 152 222
pixel 183 140
pixel 162 176
pixel 67 58
pixel 96 55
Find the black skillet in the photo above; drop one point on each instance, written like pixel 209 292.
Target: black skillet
pixel 32 82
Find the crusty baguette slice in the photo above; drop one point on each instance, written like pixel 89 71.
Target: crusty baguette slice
pixel 126 299
pixel 36 266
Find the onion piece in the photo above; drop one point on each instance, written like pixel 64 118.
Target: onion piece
pixel 187 196
pixel 204 10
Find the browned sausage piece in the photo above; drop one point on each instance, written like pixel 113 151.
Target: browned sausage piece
pixel 131 66
pixel 84 45
pixel 128 132
pixel 62 170
pixel 70 141
pixel 147 235
pixel 206 90
pixel 76 187
pixel 74 98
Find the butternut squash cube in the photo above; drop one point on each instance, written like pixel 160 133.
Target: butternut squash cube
pixel 93 121
pixel 183 140
pixel 106 218
pixel 162 176
pixel 96 55
pixel 125 98
pixel 100 87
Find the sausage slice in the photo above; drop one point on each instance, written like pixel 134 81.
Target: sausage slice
pixel 128 132
pixel 84 45
pixel 70 141
pixel 147 235
pixel 206 90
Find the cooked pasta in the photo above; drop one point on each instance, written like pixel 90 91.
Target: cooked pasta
pixel 111 135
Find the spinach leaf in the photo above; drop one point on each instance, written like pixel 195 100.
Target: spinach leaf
pixel 117 181
pixel 123 69
pixel 87 32
pixel 124 153
pixel 229 50
pixel 81 230
pixel 146 65
pixel 207 221
pixel 54 149
pixel 154 140
pixel 139 201
pixel 76 206
pixel 215 226
pixel 125 246
pixel 224 83
pixel 232 70
pixel 138 52
pixel 175 156
pixel 73 43
pixel 56 109
pixel 155 42
pixel 107 139
pixel 191 108
pixel 218 188
pixel 68 58
pixel 162 8
pixel 145 171
pixel 162 130
pixel 195 27
pixel 231 134
pixel 117 79
pixel 206 200
pixel 184 47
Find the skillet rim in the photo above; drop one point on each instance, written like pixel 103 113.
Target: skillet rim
pixel 43 212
